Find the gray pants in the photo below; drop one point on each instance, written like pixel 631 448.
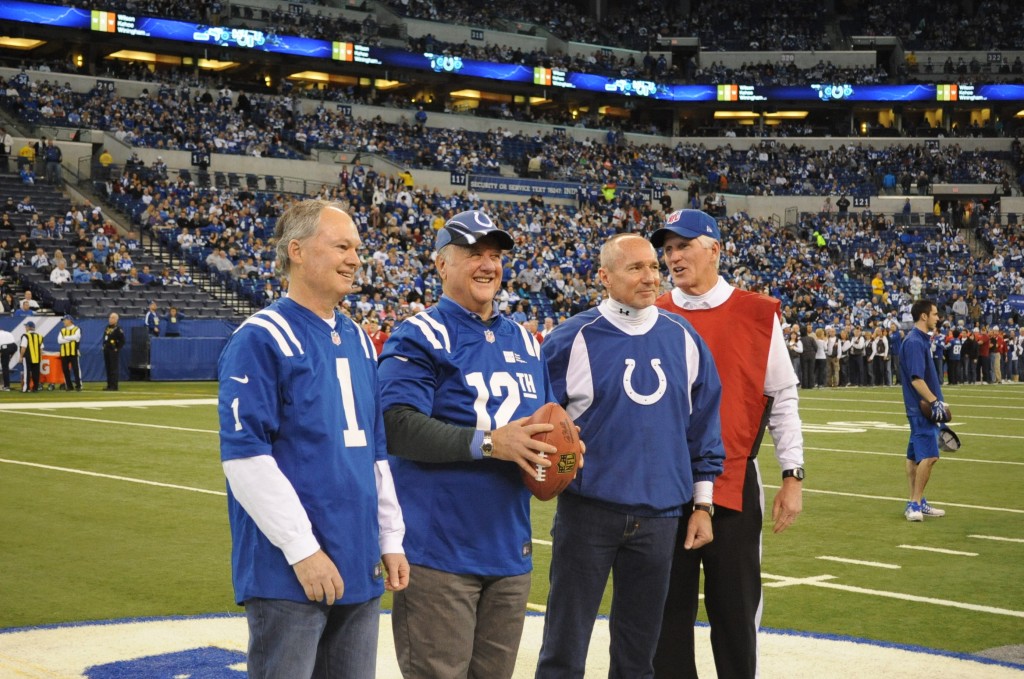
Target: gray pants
pixel 459 626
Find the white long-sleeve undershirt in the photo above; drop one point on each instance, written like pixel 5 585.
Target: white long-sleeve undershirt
pixel 267 495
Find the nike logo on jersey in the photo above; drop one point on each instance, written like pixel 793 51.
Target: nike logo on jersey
pixel 241 380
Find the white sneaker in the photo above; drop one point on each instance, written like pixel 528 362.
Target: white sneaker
pixel 928 510
pixel 913 512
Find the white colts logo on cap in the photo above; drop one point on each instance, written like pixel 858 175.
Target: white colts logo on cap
pixel 482 219
pixel 641 399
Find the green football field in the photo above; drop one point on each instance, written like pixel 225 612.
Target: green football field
pixel 112 506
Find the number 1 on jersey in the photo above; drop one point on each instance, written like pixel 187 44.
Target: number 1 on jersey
pixel 354 436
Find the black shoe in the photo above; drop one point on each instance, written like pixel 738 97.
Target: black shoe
pixel 78 388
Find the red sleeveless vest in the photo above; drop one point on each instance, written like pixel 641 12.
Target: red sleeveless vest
pixel 739 334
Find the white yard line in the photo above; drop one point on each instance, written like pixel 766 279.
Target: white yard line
pixel 996 537
pixel 64 405
pixel 115 477
pixel 949 457
pixel 823 581
pixel 951 396
pixel 898 415
pixel 858 562
pixel 120 423
pixel 938 550
pixel 904 500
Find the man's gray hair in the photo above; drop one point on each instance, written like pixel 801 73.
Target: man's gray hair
pixel 708 243
pixel 299 222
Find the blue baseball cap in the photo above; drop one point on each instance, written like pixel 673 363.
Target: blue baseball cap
pixel 30 324
pixel 688 224
pixel 67 317
pixel 466 228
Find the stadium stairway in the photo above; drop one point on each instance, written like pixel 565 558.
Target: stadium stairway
pixel 212 296
pixel 47 199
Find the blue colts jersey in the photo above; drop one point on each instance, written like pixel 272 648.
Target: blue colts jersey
pixel 646 399
pixel 293 388
pixel 956 347
pixel 464 517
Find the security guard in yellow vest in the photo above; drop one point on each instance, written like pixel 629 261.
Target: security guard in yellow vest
pixel 31 356
pixel 70 340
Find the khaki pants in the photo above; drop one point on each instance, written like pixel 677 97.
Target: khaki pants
pixel 833 371
pixel 459 626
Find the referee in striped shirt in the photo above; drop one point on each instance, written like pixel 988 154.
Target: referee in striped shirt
pixel 70 340
pixel 31 356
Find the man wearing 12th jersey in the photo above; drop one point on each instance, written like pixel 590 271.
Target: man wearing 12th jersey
pixel 311 501
pixel 457 382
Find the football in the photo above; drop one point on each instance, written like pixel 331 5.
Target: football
pixel 926 410
pixel 548 482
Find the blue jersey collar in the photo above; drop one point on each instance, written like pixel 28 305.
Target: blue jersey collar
pixel 450 306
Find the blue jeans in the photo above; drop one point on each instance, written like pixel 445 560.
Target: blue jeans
pixel 292 640
pixel 589 541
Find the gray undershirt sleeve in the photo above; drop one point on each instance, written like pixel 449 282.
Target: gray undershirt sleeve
pixel 420 438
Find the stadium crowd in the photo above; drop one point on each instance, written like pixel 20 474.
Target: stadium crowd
pixel 180 118
pixel 843 271
pixel 945 25
pixel 741 25
pixel 820 269
pixel 169 118
pixel 837 274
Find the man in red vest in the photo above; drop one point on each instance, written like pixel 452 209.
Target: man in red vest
pixel 984 352
pixel 759 390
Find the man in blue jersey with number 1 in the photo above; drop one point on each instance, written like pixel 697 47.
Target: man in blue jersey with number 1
pixel 457 382
pixel 311 500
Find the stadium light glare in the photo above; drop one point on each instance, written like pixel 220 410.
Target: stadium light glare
pixel 146 57
pixel 735 115
pixel 214 65
pixel 20 43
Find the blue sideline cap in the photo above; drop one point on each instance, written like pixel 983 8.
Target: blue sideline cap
pixel 30 324
pixel 688 224
pixel 466 228
pixel 67 317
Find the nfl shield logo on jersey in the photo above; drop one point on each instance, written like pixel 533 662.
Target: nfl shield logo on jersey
pixel 489 336
pixel 335 337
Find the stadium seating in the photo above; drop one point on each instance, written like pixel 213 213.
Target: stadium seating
pixel 765 256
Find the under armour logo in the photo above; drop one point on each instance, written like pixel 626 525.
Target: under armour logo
pixel 624 312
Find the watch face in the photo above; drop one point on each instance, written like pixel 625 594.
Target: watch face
pixel 797 473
